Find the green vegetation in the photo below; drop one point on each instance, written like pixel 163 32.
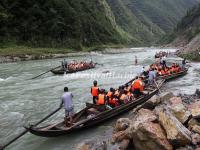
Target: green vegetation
pixel 188 27
pixel 187 32
pixel 66 25
pixel 194 55
pixel 59 23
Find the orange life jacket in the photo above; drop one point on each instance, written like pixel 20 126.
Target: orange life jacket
pixel 101 99
pixel 95 91
pixel 173 69
pixel 162 72
pixel 137 84
pixel 109 94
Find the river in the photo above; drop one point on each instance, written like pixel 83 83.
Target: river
pixel 24 101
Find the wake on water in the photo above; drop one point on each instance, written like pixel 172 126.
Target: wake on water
pixel 1 79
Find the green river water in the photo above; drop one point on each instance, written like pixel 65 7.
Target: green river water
pixel 24 101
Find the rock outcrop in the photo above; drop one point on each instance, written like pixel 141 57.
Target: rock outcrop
pixel 163 122
pixel 177 134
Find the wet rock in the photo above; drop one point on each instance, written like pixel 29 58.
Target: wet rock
pixel 150 136
pixel 152 102
pixel 192 122
pixel 187 147
pixel 122 124
pixel 123 145
pixel 194 108
pixel 164 97
pixel 196 129
pixel 191 98
pixel 176 132
pixel 92 144
pixel 83 146
pixel 175 100
pixel 195 138
pixel 197 93
pixel 180 112
pixel 143 115
pixel 197 148
pixel 120 136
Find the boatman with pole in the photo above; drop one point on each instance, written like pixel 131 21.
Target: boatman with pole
pixel 66 100
pixel 64 65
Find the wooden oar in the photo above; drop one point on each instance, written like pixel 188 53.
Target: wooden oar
pixel 98 64
pixel 157 86
pixel 45 72
pixel 26 130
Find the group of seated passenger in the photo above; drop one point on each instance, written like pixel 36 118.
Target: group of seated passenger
pixel 116 97
pixel 74 65
pixel 175 68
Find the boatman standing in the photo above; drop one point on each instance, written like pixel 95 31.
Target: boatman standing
pixel 183 63
pixel 64 65
pixel 66 100
pixel 136 60
pixel 95 92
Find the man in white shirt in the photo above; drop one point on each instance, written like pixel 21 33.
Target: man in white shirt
pixel 66 100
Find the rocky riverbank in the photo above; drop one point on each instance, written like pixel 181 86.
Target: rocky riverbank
pixel 10 59
pixel 27 57
pixel 163 122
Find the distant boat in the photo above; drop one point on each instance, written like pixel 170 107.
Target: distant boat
pixel 60 70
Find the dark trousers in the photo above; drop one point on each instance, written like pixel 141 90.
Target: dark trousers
pixel 94 99
pixel 137 93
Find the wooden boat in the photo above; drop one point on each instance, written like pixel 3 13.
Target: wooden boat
pixel 61 71
pixel 166 77
pixel 174 75
pixel 87 118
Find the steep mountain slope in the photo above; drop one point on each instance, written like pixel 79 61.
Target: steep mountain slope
pixel 78 23
pixel 149 20
pixel 187 34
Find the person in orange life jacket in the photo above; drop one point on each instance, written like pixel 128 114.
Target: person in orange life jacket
pixel 117 93
pixel 95 91
pixel 109 95
pixel 159 72
pixel 115 101
pixel 124 97
pixel 101 98
pixel 111 98
pixel 137 87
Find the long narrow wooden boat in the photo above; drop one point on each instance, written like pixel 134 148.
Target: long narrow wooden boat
pixel 168 77
pixel 87 118
pixel 60 71
pixel 174 75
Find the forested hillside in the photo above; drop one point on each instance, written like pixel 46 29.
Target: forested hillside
pixel 53 23
pixel 187 34
pixel 85 23
pixel 148 20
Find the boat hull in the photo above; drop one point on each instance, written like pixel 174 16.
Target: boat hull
pixel 108 114
pixel 61 72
